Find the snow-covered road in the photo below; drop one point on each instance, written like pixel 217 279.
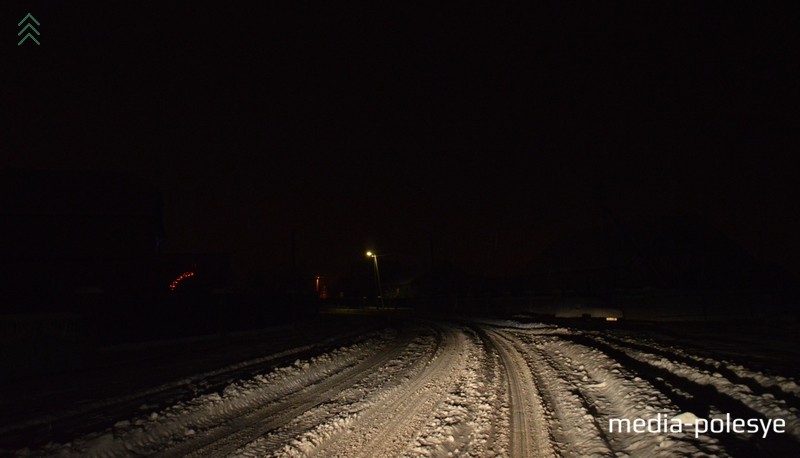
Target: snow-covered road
pixel 486 388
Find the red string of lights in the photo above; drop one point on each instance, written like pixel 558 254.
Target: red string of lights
pixel 180 278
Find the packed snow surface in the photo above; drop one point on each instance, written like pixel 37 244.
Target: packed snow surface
pixel 481 388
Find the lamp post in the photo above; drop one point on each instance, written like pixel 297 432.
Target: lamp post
pixel 377 276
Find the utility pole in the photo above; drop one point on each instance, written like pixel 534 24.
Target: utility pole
pixel 377 277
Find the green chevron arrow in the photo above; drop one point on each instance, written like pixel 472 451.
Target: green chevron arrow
pixel 28 27
pixel 26 37
pixel 28 16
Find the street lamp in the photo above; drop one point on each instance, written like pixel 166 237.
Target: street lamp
pixel 377 276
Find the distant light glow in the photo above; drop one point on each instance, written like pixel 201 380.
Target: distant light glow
pixel 369 254
pixel 611 318
pixel 179 279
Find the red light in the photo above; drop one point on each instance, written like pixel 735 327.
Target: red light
pixel 180 278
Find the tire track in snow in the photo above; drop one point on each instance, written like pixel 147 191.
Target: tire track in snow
pixel 678 355
pixel 227 438
pixel 566 408
pixel 493 372
pixel 607 390
pixel 761 403
pixel 465 423
pixel 65 425
pixel 301 434
pixel 530 436
pixel 387 427
pixel 701 394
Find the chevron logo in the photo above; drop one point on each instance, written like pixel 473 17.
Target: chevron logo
pixel 29 28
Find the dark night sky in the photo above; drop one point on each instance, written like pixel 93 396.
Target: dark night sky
pixel 482 127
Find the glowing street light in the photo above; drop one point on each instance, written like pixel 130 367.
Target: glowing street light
pixel 377 276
